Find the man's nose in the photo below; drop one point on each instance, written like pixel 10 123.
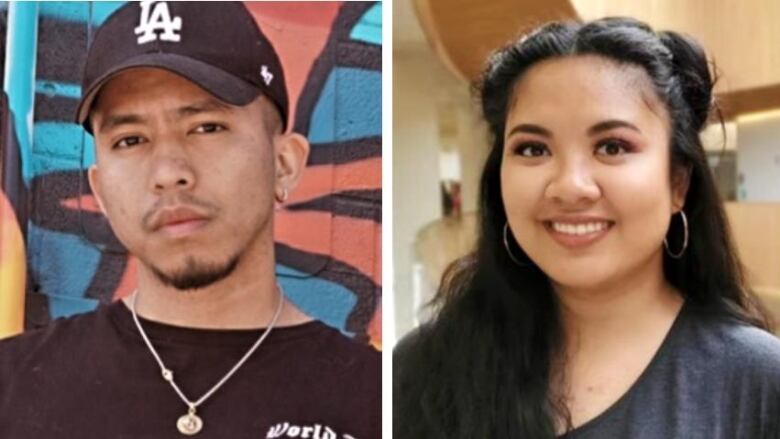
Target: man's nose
pixel 171 167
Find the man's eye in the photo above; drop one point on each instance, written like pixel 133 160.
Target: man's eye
pixel 209 128
pixel 127 142
pixel 612 147
pixel 531 150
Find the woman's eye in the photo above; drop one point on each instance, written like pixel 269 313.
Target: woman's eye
pixel 209 128
pixel 127 142
pixel 612 147
pixel 531 150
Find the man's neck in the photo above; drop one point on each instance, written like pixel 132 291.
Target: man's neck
pixel 246 299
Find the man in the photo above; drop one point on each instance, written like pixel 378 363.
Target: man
pixel 188 108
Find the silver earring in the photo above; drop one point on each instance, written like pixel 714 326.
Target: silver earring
pixel 685 239
pixel 508 250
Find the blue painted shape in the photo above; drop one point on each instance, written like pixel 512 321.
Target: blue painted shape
pixel 322 299
pixel 58 139
pixel 44 165
pixel 67 11
pixel 64 265
pixel 54 88
pixel 101 10
pixel 322 128
pixel 63 306
pixel 369 27
pixel 83 12
pixel 61 146
pixel 19 84
pixel 350 106
pixel 88 152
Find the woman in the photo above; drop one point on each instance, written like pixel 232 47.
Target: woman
pixel 604 298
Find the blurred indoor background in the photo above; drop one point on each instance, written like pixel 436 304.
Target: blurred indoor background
pixel 439 143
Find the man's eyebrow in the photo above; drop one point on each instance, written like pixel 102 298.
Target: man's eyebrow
pixel 611 124
pixel 204 106
pixel 114 120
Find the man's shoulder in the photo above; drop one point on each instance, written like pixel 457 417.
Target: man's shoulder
pixel 58 336
pixel 344 349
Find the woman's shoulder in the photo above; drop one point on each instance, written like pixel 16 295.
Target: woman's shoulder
pixel 735 345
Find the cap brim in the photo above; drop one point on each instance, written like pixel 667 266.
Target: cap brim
pixel 225 86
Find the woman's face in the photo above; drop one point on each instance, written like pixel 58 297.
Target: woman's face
pixel 585 175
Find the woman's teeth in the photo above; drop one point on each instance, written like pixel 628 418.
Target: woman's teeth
pixel 580 229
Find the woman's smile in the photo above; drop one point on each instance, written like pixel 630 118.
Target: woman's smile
pixel 578 233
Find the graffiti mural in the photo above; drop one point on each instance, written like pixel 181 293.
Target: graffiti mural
pixel 328 234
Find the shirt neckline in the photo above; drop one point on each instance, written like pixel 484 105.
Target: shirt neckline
pixel 164 333
pixel 657 358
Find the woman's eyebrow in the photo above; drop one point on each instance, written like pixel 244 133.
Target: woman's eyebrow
pixel 611 124
pixel 531 129
pixel 592 131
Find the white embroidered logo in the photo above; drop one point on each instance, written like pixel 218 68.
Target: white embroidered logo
pixel 316 431
pixel 267 76
pixel 155 16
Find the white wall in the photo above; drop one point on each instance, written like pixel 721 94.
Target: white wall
pixel 758 158
pixel 422 89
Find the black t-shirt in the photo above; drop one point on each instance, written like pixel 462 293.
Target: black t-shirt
pixel 92 376
pixel 712 378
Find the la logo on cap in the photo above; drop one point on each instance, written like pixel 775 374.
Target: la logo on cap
pixel 155 16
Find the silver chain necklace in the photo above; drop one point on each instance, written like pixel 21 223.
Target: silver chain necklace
pixel 190 423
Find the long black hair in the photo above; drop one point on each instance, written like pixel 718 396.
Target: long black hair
pixel 481 368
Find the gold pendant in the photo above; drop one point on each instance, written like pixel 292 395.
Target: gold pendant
pixel 189 424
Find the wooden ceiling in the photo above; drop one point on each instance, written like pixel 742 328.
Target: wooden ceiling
pixel 742 37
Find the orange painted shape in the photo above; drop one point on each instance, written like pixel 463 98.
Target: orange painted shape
pixel 316 181
pixel 352 241
pixel 355 242
pixel 374 329
pixel 86 203
pixel 363 174
pixel 321 180
pixel 304 230
pixel 13 271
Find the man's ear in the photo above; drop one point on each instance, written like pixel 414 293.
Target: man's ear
pixel 92 176
pixel 291 153
pixel 681 181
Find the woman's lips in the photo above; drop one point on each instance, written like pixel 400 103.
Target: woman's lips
pixel 580 234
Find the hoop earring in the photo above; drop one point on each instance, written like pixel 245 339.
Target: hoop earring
pixel 508 250
pixel 685 239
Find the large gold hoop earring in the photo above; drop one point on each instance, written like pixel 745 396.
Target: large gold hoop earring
pixel 685 239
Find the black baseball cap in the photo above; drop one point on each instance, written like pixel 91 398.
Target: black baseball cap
pixel 216 45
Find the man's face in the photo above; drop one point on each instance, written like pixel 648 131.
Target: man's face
pixel 186 181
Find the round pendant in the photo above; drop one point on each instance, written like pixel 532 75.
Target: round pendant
pixel 189 424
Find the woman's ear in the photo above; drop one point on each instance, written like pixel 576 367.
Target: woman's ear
pixel 681 181
pixel 291 153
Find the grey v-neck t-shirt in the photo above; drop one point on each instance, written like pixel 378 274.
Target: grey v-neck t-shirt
pixel 712 378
